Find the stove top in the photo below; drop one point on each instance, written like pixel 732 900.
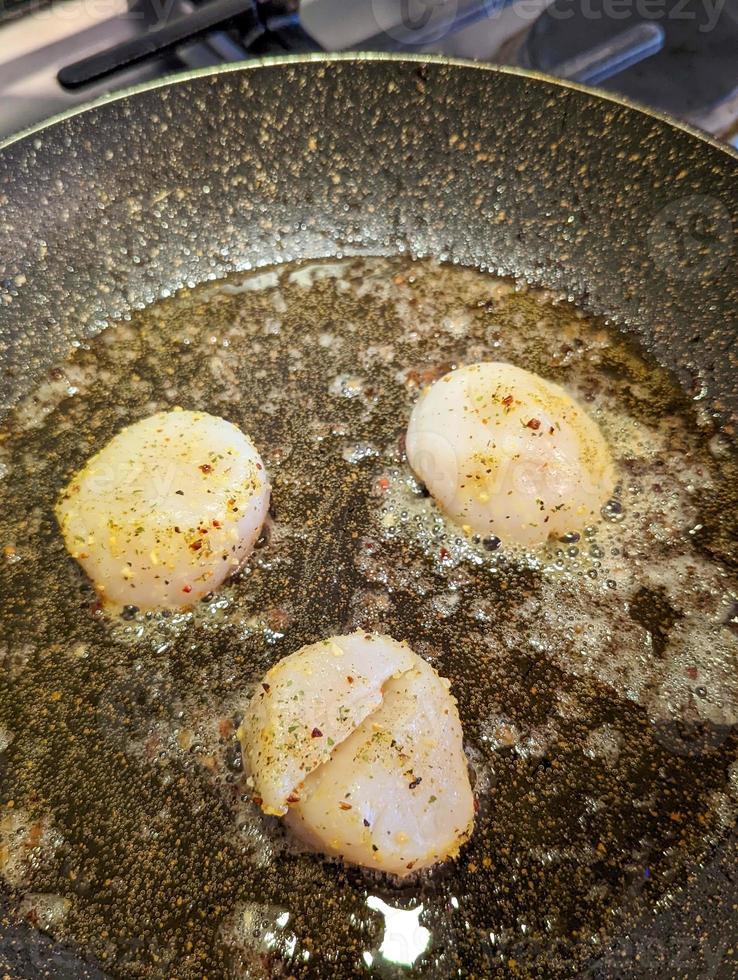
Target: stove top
pixel 677 55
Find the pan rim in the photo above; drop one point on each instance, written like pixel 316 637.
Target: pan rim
pixel 691 891
pixel 369 56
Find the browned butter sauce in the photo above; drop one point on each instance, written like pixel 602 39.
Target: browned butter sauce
pixel 596 677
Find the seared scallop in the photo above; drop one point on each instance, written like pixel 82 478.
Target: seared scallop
pixel 358 742
pixel 170 507
pixel 504 452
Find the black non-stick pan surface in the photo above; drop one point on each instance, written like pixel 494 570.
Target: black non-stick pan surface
pixel 631 217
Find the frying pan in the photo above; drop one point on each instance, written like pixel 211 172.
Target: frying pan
pixel 632 216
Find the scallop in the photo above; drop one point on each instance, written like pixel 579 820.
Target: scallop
pixel 357 742
pixel 507 453
pixel 170 507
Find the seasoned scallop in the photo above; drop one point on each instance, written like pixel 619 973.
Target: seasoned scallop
pixel 169 508
pixel 309 702
pixel 507 453
pixel 368 765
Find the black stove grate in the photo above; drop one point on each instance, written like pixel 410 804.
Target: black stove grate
pixel 236 28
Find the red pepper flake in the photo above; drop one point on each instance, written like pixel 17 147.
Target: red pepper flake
pixel 410 866
pixel 257 800
pixel 383 483
pixel 35 834
pixel 345 806
pixel 206 468
pixel 196 545
pixel 444 554
pixel 691 673
pixel 277 619
pixel 187 588
pixel 533 424
pixel 350 680
pixel 316 733
pixel 216 523
pixel 293 798
pixel 266 687
pixel 259 466
pixel 507 401
pixel 476 805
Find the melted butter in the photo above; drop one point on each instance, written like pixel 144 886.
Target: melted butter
pixel 596 677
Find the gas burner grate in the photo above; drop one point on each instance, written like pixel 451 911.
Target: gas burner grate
pixel 253 26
